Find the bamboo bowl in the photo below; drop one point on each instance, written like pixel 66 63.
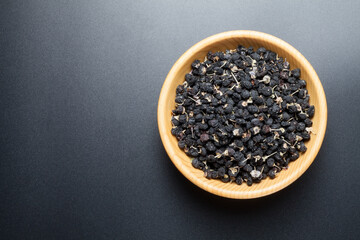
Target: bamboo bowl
pixel 230 40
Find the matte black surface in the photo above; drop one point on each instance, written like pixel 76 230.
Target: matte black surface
pixel 81 157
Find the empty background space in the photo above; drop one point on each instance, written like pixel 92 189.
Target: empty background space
pixel 80 152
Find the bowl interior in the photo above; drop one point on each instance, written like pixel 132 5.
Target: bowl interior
pixel 230 40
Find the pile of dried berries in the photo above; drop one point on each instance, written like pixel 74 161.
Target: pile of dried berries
pixel 242 115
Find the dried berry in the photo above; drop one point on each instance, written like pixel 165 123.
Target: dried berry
pixel 196 163
pixel 204 137
pixel 238 181
pixel 249 181
pixel 272 173
pixel 181 144
pixel 225 178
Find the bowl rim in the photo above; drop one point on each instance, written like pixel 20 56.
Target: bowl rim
pixel 177 161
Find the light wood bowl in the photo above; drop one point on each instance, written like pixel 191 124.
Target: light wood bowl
pixel 230 40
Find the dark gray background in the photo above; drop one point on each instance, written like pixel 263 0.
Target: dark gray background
pixel 81 157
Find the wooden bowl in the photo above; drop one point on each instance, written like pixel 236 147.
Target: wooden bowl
pixel 230 40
